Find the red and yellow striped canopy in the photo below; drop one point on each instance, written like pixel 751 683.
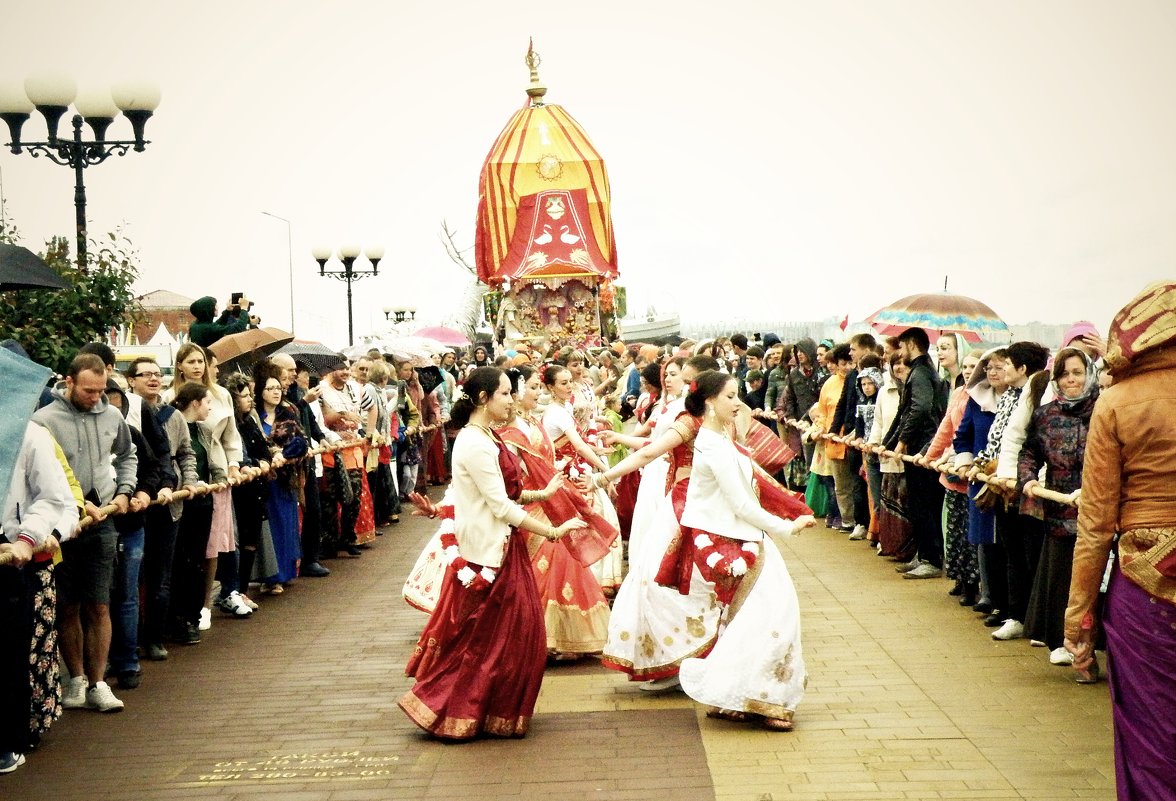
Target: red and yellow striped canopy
pixel 542 149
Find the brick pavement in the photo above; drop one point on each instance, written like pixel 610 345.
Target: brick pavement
pixel 908 698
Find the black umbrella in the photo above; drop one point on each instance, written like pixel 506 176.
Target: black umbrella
pixel 430 377
pixel 20 268
pixel 315 355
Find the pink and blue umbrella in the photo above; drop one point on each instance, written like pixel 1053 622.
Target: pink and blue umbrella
pixel 941 313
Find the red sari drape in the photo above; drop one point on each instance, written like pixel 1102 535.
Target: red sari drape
pixel 681 555
pixel 588 545
pixel 479 662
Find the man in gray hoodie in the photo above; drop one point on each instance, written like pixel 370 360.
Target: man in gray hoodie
pixel 97 444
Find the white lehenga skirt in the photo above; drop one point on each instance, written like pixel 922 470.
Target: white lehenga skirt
pixel 610 570
pixel 650 493
pixel 757 665
pixel 653 628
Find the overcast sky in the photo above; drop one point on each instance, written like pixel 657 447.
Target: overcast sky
pixel 806 159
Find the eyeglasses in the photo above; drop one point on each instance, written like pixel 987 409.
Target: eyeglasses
pixel 149 375
pixel 994 368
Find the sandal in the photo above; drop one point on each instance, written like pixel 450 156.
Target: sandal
pixel 778 724
pixel 732 715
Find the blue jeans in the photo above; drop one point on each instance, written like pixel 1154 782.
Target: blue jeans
pixel 124 603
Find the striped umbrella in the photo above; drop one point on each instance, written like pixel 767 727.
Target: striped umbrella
pixel 941 313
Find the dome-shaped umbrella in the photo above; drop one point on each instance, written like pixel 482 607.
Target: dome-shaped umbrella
pixel 941 313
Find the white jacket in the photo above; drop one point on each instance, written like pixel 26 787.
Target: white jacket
pixel 483 513
pixel 40 500
pixel 1017 431
pixel 720 499
pixel 886 409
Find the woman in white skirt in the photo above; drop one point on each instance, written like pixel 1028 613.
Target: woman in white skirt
pixel 756 670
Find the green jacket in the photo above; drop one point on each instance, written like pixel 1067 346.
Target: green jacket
pixel 204 331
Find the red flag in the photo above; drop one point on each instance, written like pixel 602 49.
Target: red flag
pixel 844 324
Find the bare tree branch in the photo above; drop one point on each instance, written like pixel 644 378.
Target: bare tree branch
pixel 456 255
pixel 469 308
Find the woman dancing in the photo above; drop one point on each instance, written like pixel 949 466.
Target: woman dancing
pixel 653 628
pixel 575 610
pixel 479 662
pixel 756 668
pixel 583 459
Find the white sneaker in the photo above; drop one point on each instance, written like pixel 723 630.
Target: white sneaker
pixel 233 604
pixel 249 602
pixel 73 695
pixel 859 533
pixel 925 570
pixel 101 698
pixel 1011 630
pixel 1060 656
pixel 205 619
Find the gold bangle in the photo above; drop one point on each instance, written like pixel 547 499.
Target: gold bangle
pixel 552 533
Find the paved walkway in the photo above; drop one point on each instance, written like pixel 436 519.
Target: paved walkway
pixel 908 698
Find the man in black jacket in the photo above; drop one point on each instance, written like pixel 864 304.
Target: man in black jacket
pixel 920 408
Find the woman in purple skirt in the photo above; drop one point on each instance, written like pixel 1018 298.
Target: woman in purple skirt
pixel 1127 481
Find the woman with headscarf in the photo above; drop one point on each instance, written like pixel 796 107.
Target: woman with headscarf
pixel 1127 482
pixel 1056 441
pixel 985 388
pixel 481 359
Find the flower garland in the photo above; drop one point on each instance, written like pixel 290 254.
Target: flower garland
pixel 725 565
pixel 475 580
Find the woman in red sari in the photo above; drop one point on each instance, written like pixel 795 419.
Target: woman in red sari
pixel 575 610
pixel 479 662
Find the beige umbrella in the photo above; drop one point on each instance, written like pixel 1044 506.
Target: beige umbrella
pixel 237 351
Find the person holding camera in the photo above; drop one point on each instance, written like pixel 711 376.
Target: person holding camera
pixel 208 327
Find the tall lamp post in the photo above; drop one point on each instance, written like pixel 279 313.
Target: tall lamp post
pixel 51 95
pixel 348 255
pixel 289 260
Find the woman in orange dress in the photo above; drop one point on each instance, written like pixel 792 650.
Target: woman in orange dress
pixel 575 610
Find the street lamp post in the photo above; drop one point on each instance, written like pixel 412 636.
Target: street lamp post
pixel 400 313
pixel 51 95
pixel 348 255
pixel 289 260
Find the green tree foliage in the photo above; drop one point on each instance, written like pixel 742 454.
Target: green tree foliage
pixel 52 324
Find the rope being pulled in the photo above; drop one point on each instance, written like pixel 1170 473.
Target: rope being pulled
pixel 969 472
pixel 253 474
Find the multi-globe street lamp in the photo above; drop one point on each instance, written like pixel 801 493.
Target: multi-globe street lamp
pixel 52 95
pixel 401 313
pixel 348 254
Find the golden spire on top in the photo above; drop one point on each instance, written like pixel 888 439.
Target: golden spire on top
pixel 536 90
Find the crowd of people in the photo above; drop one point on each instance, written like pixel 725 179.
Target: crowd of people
pixel 137 511
pixel 946 459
